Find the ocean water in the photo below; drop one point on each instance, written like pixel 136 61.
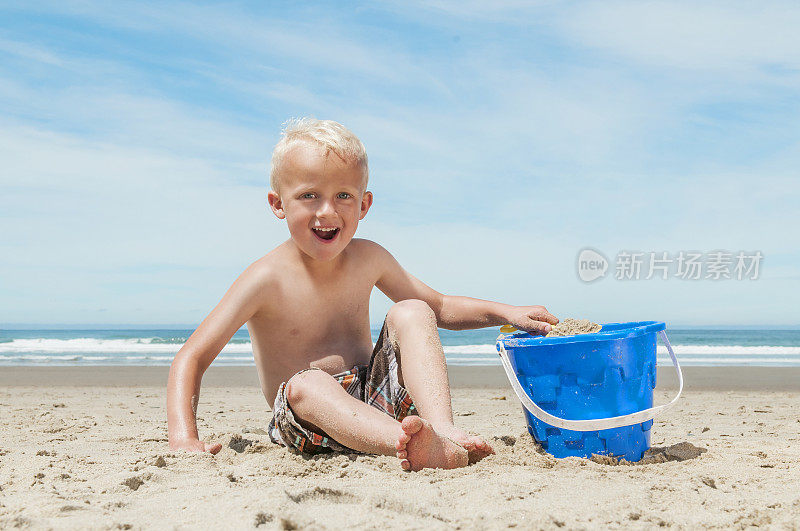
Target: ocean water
pixel 772 348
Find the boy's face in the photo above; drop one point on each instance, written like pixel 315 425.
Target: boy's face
pixel 322 199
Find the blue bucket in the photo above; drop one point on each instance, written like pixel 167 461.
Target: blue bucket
pixel 591 393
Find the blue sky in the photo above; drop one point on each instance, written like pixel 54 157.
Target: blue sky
pixel 503 138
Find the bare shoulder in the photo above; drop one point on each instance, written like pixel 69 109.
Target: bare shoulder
pixel 378 262
pixel 369 250
pixel 258 285
pixel 264 272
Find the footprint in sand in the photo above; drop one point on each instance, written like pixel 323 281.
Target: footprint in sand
pixel 238 443
pixel 134 482
pixel 254 431
pixel 114 505
pixel 324 494
pixel 263 518
pixel 508 440
pixel 709 481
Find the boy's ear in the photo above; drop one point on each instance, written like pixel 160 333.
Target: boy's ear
pixel 366 202
pixel 276 204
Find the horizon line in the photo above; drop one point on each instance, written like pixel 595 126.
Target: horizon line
pixel 185 326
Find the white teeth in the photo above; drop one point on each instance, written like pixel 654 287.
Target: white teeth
pixel 324 230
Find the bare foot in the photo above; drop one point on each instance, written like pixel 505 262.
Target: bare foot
pixel 476 447
pixel 419 446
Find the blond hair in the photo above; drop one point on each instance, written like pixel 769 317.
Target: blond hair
pixel 328 134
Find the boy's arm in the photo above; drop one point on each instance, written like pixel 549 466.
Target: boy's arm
pixel 183 387
pixel 455 312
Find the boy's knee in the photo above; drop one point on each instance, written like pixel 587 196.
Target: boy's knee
pixel 304 384
pixel 409 310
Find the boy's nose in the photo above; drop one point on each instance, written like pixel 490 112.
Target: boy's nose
pixel 325 209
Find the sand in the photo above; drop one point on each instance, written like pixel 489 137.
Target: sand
pixel 572 327
pixel 96 456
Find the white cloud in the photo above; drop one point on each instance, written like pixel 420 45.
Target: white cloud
pixel 69 194
pixel 456 12
pixel 717 36
pixel 314 40
pixel 33 53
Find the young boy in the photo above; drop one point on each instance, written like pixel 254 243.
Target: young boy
pixel 306 306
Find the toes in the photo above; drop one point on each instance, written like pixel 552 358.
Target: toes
pixel 411 425
pixel 405 464
pixel 483 445
pixel 213 448
pixel 402 454
pixel 404 438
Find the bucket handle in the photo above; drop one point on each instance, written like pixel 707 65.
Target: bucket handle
pixel 591 424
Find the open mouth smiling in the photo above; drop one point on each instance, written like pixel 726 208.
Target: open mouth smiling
pixel 325 233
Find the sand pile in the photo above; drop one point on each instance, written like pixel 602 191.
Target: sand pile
pixel 681 451
pixel 573 327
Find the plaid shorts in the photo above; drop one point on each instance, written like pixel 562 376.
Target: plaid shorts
pixel 375 384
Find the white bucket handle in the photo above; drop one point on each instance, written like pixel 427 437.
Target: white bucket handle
pixel 592 424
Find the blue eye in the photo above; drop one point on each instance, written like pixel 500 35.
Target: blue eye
pixel 344 195
pixel 307 195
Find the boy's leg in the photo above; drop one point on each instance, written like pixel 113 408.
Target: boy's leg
pixel 320 404
pixel 411 326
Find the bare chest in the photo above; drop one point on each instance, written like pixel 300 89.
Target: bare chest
pixel 308 325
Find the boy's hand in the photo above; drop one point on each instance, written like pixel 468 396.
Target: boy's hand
pixel 194 445
pixel 532 319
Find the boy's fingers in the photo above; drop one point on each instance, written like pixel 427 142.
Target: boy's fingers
pixel 544 315
pixel 550 318
pixel 538 327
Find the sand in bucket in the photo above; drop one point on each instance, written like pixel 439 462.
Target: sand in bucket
pixel 573 327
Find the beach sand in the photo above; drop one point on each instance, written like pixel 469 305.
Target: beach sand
pixel 91 451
